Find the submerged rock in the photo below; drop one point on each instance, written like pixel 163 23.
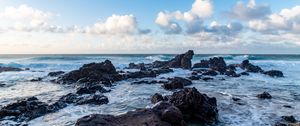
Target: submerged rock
pixel 274 73
pixel 103 72
pixel 90 89
pixel 177 83
pixel 264 95
pixel 55 74
pixel 7 69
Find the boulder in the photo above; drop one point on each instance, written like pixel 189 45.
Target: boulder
pixel 202 64
pixel 181 61
pixel 250 67
pixel 207 78
pixel 140 66
pixel 103 72
pixel 139 117
pixel 156 98
pixel 210 73
pixel 6 69
pixel 55 74
pixel 218 64
pixel 90 89
pixel 177 83
pixel 232 73
pixel 195 106
pixel 264 95
pixel 274 73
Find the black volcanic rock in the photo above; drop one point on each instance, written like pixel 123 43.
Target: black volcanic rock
pixel 177 83
pixel 210 73
pixel 274 73
pixel 202 64
pixel 7 69
pixel 264 95
pixel 103 72
pixel 194 105
pixel 250 67
pixel 55 74
pixel 181 61
pixel 156 98
pixel 90 89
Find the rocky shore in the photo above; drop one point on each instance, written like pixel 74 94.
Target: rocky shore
pixel 184 106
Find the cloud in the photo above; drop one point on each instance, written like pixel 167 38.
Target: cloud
pixel 200 9
pixel 116 24
pixel 286 21
pixel 249 11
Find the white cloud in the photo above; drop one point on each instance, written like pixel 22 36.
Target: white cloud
pixel 168 22
pixel 116 24
pixel 286 21
pixel 249 11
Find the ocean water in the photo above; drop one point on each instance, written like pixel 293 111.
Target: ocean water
pixel 125 96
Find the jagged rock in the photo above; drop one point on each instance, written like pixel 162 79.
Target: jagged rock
pixel 290 119
pixel 139 117
pixel 103 72
pixel 207 78
pixel 232 73
pixel 202 64
pixel 210 73
pixel 141 74
pixel 36 79
pixel 287 121
pixel 140 66
pixel 274 73
pixel 90 88
pixel 156 98
pixel 172 115
pixel 177 83
pixel 55 74
pixel 218 64
pixel 194 105
pixel 182 61
pixel 7 69
pixel 250 67
pixel 264 95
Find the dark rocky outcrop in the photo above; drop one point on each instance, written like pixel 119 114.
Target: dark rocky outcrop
pixel 287 121
pixel 141 74
pixel 177 83
pixel 207 78
pixel 55 74
pixel 246 65
pixel 182 61
pixel 210 73
pixel 90 88
pixel 36 79
pixel 232 73
pixel 202 64
pixel 264 95
pixel 7 69
pixel 103 72
pixel 140 66
pixel 274 73
pixel 156 98
pixel 194 105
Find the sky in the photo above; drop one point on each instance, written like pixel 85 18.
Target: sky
pixel 149 27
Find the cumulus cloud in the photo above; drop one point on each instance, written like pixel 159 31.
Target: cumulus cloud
pixel 286 21
pixel 117 24
pixel 249 11
pixel 168 21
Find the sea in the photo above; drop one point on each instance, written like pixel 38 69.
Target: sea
pixel 125 96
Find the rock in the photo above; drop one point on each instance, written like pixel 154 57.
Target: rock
pixel 218 64
pixel 236 99
pixel 36 79
pixel 264 95
pixel 159 64
pixel 274 73
pixel 181 61
pixel 232 67
pixel 245 74
pixel 90 89
pixel 290 119
pixel 177 83
pixel 172 115
pixel 195 106
pixel 7 69
pixel 287 106
pixel 194 77
pixel 210 73
pixel 140 66
pixel 250 67
pixel 232 73
pixel 163 71
pixel 55 74
pixel 25 109
pixel 207 78
pixel 202 64
pixel 27 68
pixel 156 98
pixel 92 99
pixel 103 72
pixel 141 74
pixel 139 117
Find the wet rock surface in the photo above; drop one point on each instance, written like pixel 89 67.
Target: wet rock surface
pixel 264 95
pixel 55 74
pixel 177 83
pixel 274 73
pixel 7 69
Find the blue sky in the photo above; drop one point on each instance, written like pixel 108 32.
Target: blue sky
pixel 147 26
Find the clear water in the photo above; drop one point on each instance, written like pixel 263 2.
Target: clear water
pixel 125 97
